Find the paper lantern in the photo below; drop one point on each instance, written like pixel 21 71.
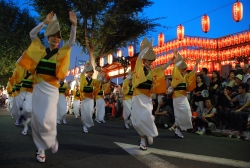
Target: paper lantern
pixel 243 50
pixel 160 40
pixel 219 43
pixel 119 53
pixel 242 64
pixel 242 38
pixel 110 59
pixel 205 23
pixel 101 61
pixel 131 51
pixel 68 72
pixel 76 70
pixel 180 32
pixel 247 36
pixel 196 42
pixel 237 11
pixel 233 65
pixel 232 39
pixel 73 72
pixel 236 39
pixel 247 50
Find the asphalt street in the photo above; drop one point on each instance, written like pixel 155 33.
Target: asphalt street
pixel 105 147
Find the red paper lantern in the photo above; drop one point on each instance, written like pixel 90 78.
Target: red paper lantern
pixel 205 23
pixel 119 53
pixel 110 59
pixel 76 70
pixel 131 51
pixel 247 36
pixel 180 32
pixel 232 40
pixel 196 42
pixel 68 72
pixel 236 39
pixel 242 38
pixel 73 72
pixel 247 50
pixel 219 43
pixel 101 61
pixel 237 11
pixel 160 39
pixel 243 50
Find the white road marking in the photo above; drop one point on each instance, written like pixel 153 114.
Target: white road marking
pixel 135 151
pixel 145 157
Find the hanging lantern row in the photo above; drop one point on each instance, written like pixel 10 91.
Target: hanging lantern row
pixel 237 11
pixel 208 55
pixel 131 50
pixel 234 52
pixel 211 66
pixel 109 60
pixel 234 39
pixel 205 21
pixel 187 41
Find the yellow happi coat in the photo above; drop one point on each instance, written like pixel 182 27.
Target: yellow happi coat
pixel 89 90
pixel 36 53
pixel 76 94
pixel 64 89
pixel 182 84
pixel 127 90
pixel 155 79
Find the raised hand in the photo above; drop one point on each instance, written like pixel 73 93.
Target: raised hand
pixel 198 61
pixel 73 18
pixel 49 18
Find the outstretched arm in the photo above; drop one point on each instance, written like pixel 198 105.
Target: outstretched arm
pixel 168 63
pixel 196 64
pixel 73 19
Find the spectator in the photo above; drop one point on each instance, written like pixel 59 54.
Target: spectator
pixel 155 105
pixel 224 108
pixel 246 71
pixel 198 98
pixel 208 118
pixel 238 80
pixel 248 127
pixel 162 113
pixel 108 107
pixel 231 81
pixel 215 87
pixel 206 79
pixel 239 116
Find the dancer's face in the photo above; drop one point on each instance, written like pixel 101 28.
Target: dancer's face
pixel 147 63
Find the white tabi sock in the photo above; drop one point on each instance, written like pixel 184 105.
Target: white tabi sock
pixel 143 141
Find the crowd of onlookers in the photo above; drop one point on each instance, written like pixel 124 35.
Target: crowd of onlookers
pixel 217 104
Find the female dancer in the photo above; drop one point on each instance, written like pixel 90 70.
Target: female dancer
pixel 49 65
pixel 146 81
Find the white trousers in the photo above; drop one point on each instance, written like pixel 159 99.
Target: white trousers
pixel 127 109
pixel 100 109
pixel 76 107
pixel 61 107
pixel 142 118
pixel 87 110
pixel 44 117
pixel 182 113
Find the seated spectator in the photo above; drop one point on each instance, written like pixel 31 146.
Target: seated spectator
pixel 108 107
pixel 240 115
pixel 224 108
pixel 238 80
pixel 162 113
pixel 246 71
pixel 198 98
pixel 208 118
pixel 155 105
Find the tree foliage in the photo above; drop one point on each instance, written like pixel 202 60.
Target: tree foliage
pixel 103 25
pixel 15 25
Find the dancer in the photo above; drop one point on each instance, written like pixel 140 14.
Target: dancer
pixel 127 92
pixel 88 89
pixel 62 104
pixel 76 103
pixel 181 84
pixel 49 65
pixel 100 104
pixel 146 81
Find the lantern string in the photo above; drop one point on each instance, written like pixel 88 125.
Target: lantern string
pixel 171 27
